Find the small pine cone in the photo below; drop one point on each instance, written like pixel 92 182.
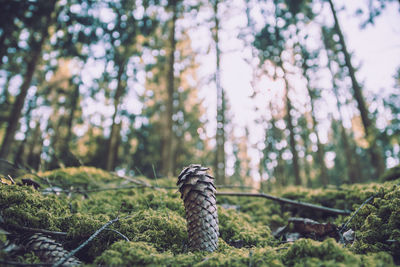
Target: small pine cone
pixel 48 250
pixel 198 194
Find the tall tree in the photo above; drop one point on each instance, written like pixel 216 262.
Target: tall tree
pixel 44 19
pixel 123 38
pixel 168 149
pixel 370 131
pixel 307 57
pixel 271 42
pixel 353 175
pixel 220 162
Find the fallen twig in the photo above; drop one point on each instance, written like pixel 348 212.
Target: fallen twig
pixel 354 214
pixel 130 179
pixel 16 263
pixel 73 252
pixel 37 230
pixel 287 201
pixel 119 233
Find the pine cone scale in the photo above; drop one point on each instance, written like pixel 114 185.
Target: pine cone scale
pixel 48 250
pixel 198 193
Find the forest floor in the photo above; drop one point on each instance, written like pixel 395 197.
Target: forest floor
pixel 141 222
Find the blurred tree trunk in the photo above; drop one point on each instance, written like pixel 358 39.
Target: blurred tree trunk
pixel 320 148
pixel 113 141
pixel 351 157
pixel 35 148
pixel 220 135
pixel 32 60
pixel 369 127
pixel 6 32
pixel 65 154
pixel 5 101
pixel 73 107
pixel 167 157
pixel 292 141
pixel 19 157
pixel 279 170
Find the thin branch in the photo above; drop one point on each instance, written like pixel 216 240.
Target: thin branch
pixel 354 214
pixel 130 179
pixel 235 186
pixel 37 230
pixel 16 263
pixel 73 252
pixel 288 201
pixel 119 233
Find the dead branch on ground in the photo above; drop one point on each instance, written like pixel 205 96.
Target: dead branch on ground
pixel 287 201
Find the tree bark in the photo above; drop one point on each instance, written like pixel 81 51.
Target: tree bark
pixel 352 174
pixel 369 127
pixel 167 158
pixel 220 134
pixel 320 148
pixel 115 127
pixel 6 31
pixel 292 141
pixel 73 108
pixel 32 61
pixel 35 147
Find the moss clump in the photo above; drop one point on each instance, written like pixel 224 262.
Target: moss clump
pixel 164 229
pixel 306 252
pixel 24 206
pixel 377 224
pixel 81 177
pixel 236 229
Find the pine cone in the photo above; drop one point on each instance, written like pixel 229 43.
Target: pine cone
pixel 48 250
pixel 197 191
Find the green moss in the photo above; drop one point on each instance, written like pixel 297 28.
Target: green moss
pixel 236 228
pixel 306 252
pixel 154 222
pixel 165 230
pixel 81 177
pixel 24 206
pixel 378 224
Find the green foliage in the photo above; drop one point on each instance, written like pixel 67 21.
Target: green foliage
pixel 153 221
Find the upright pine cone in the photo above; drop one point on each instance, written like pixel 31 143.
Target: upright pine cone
pixel 48 250
pixel 197 191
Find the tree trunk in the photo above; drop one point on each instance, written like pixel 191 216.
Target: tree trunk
pixel 350 158
pixel 167 156
pixel 220 134
pixel 73 108
pixel 115 127
pixel 35 147
pixel 320 148
pixel 32 61
pixel 369 127
pixel 20 157
pixel 3 48
pixel 292 141
pixel 5 104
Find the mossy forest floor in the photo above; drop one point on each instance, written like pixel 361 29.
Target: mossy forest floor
pixel 153 220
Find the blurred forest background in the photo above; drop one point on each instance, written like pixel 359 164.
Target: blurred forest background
pixel 139 87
